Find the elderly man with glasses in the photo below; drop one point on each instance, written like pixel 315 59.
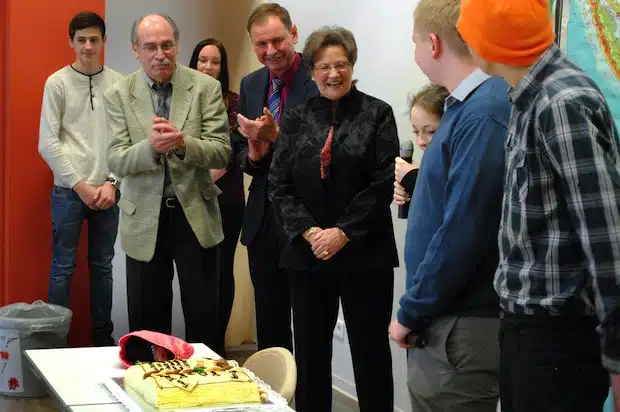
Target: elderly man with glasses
pixel 168 127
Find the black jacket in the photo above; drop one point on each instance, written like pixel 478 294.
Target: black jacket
pixel 252 99
pixel 357 193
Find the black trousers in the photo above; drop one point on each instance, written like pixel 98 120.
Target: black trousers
pixel 367 307
pixel 271 287
pixel 149 284
pixel 551 364
pixel 232 221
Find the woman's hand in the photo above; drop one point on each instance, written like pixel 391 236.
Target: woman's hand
pixel 400 194
pixel 326 243
pixel 401 168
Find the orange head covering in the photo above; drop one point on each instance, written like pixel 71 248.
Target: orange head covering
pixel 510 32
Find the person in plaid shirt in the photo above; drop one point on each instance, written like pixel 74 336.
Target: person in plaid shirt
pixel 560 230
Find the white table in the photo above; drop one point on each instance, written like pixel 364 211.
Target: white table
pixel 76 391
pixel 111 407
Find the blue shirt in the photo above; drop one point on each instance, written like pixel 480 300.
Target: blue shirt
pixel 451 248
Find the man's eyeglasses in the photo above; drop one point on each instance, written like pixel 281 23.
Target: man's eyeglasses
pixel 151 48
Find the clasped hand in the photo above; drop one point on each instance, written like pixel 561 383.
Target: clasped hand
pixel 325 243
pixel 165 136
pixel 96 197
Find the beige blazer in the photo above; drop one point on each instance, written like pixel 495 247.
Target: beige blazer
pixel 198 110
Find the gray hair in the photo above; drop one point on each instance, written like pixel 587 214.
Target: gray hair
pixel 136 23
pixel 330 36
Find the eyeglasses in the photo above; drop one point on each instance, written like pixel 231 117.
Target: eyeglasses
pixel 151 48
pixel 326 68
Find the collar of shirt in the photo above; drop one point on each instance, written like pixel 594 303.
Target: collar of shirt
pixel 287 76
pixel 154 96
pixel 529 86
pixel 151 82
pixel 86 77
pixel 464 89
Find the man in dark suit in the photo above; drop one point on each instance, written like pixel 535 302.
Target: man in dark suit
pixel 283 83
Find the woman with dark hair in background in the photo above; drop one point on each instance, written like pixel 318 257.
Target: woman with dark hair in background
pixel 210 57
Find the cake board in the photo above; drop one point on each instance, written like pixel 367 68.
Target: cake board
pixel 134 402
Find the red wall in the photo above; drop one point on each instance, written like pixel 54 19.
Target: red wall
pixel 34 45
pixel 4 38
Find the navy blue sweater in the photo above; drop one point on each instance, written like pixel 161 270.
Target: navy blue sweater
pixel 451 248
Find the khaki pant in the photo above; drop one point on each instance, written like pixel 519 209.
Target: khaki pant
pixel 458 369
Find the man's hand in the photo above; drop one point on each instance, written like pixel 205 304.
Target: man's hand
pixel 399 333
pixel 328 242
pixel 264 128
pixel 257 149
pixel 89 195
pixel 401 168
pixel 216 174
pixel 107 196
pixel 400 194
pixel 164 136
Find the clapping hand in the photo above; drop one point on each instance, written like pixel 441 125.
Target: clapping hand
pixel 164 135
pixel 264 128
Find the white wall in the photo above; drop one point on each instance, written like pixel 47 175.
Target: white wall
pixel 194 24
pixel 194 20
pixel 385 69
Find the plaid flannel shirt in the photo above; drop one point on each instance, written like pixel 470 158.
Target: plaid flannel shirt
pixel 560 229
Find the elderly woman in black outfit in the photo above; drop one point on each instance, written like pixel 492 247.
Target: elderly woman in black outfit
pixel 210 57
pixel 331 183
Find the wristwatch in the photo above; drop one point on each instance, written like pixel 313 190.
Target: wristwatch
pixel 310 231
pixel 115 182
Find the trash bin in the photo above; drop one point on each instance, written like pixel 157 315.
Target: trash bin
pixel 24 326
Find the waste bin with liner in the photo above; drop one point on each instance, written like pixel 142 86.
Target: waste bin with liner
pixel 24 326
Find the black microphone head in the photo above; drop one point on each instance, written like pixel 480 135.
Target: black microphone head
pixel 406 149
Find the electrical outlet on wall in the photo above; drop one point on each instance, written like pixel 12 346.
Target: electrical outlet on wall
pixel 339 330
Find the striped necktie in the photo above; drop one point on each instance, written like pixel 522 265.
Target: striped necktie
pixel 274 100
pixel 163 110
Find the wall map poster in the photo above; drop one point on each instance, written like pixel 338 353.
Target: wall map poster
pixel 590 36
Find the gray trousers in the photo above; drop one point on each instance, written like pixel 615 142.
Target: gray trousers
pixel 458 369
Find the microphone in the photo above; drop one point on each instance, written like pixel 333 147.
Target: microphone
pixel 406 153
